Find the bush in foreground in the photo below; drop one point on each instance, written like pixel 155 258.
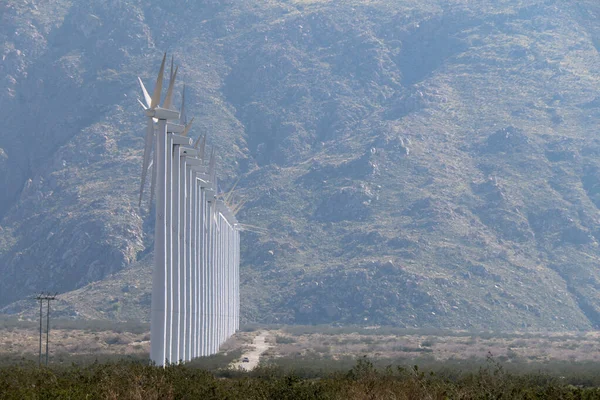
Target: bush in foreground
pixel 135 380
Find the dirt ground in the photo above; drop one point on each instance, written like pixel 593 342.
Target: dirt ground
pixel 567 346
pixel 273 343
pixel 260 345
pixel 26 341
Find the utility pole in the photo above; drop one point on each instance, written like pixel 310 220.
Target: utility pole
pixel 48 297
pixel 39 298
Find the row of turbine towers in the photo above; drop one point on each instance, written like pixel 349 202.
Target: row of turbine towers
pixel 195 282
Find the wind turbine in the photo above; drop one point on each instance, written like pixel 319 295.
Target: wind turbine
pixel 160 279
pixel 154 112
pixel 195 282
pixel 151 103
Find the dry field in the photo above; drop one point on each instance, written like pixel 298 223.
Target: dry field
pixel 23 341
pixel 96 340
pixel 326 343
pixel 508 347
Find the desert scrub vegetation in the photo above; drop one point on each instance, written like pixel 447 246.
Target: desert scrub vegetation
pixel 279 339
pixel 61 360
pixel 394 343
pixel 362 380
pixel 10 322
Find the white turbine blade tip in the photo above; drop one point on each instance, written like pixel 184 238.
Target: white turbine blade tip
pixel 146 95
pixel 197 142
pixel 203 146
pixel 169 97
pixel 172 63
pixel 159 81
pixel 187 128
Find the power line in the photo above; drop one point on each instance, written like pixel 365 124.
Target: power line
pixel 48 297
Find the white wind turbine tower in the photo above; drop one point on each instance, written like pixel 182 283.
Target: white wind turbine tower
pixel 159 309
pixel 195 282
pixel 176 240
pixel 173 275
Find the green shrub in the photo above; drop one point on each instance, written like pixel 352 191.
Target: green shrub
pixel 284 339
pixel 362 378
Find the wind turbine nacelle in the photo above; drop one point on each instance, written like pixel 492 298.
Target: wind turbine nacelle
pixel 204 183
pixel 201 170
pixel 162 113
pixel 180 140
pixel 210 194
pixel 175 128
pixel 223 209
pixel 202 176
pixel 187 152
pixel 192 162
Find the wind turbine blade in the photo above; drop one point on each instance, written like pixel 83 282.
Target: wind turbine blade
pixel 158 87
pixel 214 215
pixel 239 207
pixel 231 190
pixel 211 167
pixel 147 151
pixel 153 183
pixel 146 95
pixel 144 107
pixel 187 128
pixel 258 228
pixel 202 147
pixel 182 116
pixel 169 98
pixel 252 228
pixel 197 142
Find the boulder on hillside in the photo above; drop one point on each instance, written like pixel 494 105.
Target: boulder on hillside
pixel 393 144
pixel 556 225
pixel 507 140
pixel 349 203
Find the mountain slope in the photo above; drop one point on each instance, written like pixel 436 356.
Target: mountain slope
pixel 415 163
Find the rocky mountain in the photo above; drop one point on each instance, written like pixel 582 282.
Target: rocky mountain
pixel 415 163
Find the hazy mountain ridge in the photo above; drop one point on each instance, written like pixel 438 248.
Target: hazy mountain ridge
pixel 416 163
